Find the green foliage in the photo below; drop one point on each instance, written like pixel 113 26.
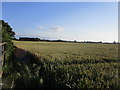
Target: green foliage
pixel 22 75
pixel 7 33
pixel 7 36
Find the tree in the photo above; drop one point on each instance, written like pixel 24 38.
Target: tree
pixel 6 35
pixel 114 42
pixel 75 41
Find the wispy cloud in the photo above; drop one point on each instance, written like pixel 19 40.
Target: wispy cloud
pixel 40 27
pixel 57 29
pixel 25 34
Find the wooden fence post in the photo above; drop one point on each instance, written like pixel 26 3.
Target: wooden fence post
pixel 4 46
pixel 3 53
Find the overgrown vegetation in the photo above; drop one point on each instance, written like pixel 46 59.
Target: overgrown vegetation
pixel 22 74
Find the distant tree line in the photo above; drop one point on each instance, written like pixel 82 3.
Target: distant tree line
pixel 28 39
pixel 38 39
pixel 92 42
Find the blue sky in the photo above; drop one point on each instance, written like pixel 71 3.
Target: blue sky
pixel 0 10
pixel 83 21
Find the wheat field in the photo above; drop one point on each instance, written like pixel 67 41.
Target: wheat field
pixel 76 65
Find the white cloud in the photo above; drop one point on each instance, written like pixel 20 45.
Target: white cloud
pixel 40 27
pixel 57 29
pixel 24 34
